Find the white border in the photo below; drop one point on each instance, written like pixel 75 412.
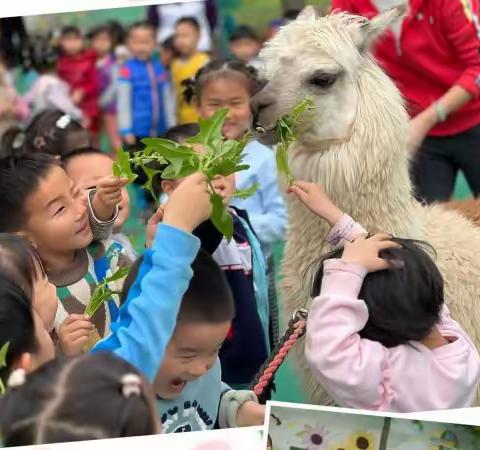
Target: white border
pixel 37 7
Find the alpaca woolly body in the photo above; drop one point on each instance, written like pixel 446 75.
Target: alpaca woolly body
pixel 367 175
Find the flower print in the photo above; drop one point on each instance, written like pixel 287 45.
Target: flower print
pixel 361 440
pixel 445 440
pixel 314 438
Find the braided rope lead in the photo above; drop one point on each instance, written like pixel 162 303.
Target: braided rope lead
pixel 295 330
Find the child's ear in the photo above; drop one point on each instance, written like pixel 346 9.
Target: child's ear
pixel 168 186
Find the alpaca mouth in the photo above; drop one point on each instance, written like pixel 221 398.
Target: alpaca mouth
pixel 266 136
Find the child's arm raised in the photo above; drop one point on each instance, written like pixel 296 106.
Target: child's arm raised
pixel 148 317
pixel 103 206
pixel 344 228
pixel 354 371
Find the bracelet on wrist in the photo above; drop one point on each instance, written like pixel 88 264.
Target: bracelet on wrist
pixel 440 110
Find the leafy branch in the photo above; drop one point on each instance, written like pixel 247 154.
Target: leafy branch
pixel 3 363
pixel 207 152
pixel 286 130
pixel 103 293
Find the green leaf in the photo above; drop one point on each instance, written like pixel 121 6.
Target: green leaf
pixel 242 194
pixel 103 293
pixel 286 131
pixel 118 275
pixel 282 162
pixel 3 355
pixel 221 218
pixel 122 167
pixel 210 129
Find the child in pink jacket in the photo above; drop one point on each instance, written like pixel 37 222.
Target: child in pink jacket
pixel 379 335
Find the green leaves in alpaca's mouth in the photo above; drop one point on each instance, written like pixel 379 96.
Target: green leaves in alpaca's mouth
pixel 286 131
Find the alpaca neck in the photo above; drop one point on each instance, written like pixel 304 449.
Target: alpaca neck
pixel 367 175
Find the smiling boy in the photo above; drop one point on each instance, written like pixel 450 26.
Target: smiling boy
pixel 39 201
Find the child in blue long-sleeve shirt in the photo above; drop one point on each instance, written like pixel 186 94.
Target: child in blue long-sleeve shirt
pixel 190 393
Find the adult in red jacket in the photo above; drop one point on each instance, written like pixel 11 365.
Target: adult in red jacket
pixel 77 66
pixel 433 56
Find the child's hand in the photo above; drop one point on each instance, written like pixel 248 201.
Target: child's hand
pixel 152 225
pixel 225 187
pixel 365 252
pixel 189 204
pixel 107 197
pixel 130 139
pixel 315 199
pixel 77 96
pixel 251 414
pixel 74 333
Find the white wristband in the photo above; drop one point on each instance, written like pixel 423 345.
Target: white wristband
pixel 440 110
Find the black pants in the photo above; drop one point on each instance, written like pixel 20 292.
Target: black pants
pixel 438 161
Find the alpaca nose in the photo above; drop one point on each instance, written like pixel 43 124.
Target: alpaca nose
pixel 260 102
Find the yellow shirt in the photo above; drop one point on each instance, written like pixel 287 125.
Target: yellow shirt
pixel 183 70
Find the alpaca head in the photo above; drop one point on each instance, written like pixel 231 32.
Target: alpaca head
pixel 324 58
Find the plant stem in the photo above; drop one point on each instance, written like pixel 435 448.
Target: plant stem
pixel 385 432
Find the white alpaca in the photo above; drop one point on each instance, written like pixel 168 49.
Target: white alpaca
pixel 355 147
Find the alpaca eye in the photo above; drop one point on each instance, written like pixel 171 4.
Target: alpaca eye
pixel 323 80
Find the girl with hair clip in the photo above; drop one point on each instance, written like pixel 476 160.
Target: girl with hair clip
pixel 379 335
pixel 54 403
pixel 51 131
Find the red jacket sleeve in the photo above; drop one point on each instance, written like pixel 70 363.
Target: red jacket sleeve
pixel 462 29
pixel 343 6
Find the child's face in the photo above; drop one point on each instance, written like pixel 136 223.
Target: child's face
pixel 245 49
pixel 44 299
pixel 191 353
pixel 57 219
pixel 232 94
pixel 72 44
pixel 186 39
pixel 141 43
pixel 45 348
pixel 87 170
pixel 102 44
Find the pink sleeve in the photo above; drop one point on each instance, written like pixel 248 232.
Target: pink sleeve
pixel 346 229
pixel 354 371
pixel 343 6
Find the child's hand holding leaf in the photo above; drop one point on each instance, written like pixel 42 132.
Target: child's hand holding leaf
pixel 108 196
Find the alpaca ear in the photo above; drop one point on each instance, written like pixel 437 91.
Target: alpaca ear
pixel 370 30
pixel 309 13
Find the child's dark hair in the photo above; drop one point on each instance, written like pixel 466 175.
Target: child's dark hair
pixel 99 30
pixel 404 302
pixel 179 134
pixel 140 25
pixel 243 32
pixel 83 152
pixel 96 396
pixel 20 261
pixel 208 298
pixel 51 131
pixel 20 175
pixel 189 21
pixel 291 14
pixel 17 327
pixel 43 54
pixel 221 69
pixel 71 30
pixel 169 44
pixel 117 31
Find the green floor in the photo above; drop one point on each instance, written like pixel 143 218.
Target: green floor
pixel 289 386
